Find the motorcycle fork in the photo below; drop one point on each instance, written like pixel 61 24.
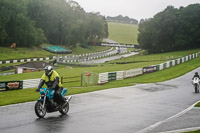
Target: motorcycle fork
pixel 45 96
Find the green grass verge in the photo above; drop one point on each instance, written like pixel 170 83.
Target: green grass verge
pixel 92 49
pixel 22 53
pixel 197 105
pixel 154 57
pixel 25 95
pixel 123 33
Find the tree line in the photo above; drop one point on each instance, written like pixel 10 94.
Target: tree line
pixel 33 22
pixel 171 30
pixel 122 19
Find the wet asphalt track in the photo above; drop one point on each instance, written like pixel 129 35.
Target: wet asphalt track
pixel 118 110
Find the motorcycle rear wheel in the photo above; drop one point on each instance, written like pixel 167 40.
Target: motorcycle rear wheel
pixel 65 110
pixel 39 110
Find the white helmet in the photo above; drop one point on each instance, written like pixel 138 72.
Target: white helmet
pixel 48 70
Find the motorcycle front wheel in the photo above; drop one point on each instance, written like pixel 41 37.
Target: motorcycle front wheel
pixel 65 110
pixel 39 110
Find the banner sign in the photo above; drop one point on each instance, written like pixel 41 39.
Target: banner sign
pixel 149 69
pixel 132 72
pixel 9 85
pixel 112 76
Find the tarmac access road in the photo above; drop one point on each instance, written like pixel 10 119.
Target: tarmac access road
pixel 133 109
pixel 115 57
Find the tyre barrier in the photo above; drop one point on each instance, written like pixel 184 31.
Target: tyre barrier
pixel 27 60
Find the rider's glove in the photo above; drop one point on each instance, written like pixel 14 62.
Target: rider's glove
pixel 37 90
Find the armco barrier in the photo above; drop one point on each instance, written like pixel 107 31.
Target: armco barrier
pixel 106 77
pixel 168 64
pixel 186 58
pixel 103 78
pixel 173 62
pixel 120 75
pixel 183 59
pixel 177 61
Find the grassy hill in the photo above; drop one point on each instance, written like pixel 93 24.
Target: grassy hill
pixel 123 33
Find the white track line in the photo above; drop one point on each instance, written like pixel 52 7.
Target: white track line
pixel 145 130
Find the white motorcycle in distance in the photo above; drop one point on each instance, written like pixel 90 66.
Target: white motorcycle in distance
pixel 195 83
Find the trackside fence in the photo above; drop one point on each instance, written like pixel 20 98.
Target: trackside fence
pixel 89 78
pixel 120 75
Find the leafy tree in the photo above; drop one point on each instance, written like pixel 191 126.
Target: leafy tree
pixel 171 29
pixel 96 30
pixel 32 22
pixel 66 23
pixel 16 26
pixel 188 33
pixel 145 35
pixel 165 27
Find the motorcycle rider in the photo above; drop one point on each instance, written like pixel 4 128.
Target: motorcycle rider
pixel 51 79
pixel 196 75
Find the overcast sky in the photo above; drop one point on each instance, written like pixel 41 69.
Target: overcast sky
pixel 137 9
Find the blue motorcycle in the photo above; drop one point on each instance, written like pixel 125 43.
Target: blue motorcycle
pixel 46 103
